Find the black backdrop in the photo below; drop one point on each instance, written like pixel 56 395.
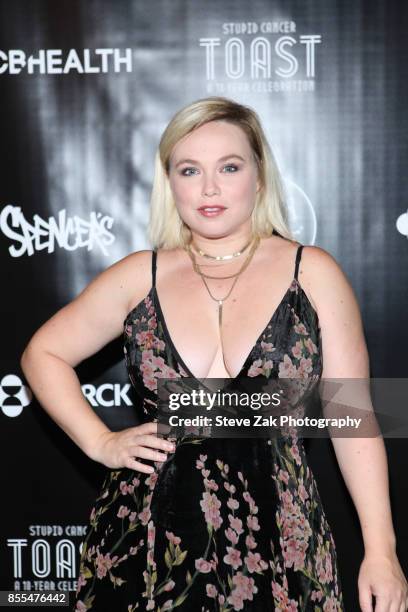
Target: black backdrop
pixel 86 91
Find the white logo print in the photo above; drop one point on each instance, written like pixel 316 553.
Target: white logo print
pixel 68 233
pixel 256 58
pixel 57 61
pixel 14 396
pixel 402 224
pixel 302 216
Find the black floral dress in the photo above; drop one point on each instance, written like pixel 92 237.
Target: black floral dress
pixel 220 525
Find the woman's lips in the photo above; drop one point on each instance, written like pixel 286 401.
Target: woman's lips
pixel 211 211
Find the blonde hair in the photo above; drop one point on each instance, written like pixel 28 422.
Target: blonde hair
pixel 166 228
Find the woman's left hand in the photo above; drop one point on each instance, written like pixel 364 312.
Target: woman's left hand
pixel 382 576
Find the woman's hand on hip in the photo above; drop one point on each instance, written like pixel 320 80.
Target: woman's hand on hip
pixel 123 449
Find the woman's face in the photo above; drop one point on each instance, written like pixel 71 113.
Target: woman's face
pixel 214 179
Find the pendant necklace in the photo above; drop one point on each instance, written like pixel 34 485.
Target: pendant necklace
pixel 220 301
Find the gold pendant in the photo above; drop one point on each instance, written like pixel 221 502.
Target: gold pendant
pixel 220 315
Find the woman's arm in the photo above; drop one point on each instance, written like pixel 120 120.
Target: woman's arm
pixel 57 388
pixel 362 461
pixel 78 330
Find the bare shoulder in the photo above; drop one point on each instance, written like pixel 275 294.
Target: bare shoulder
pixel 129 279
pixel 138 260
pixel 96 315
pixel 335 302
pixel 322 276
pixel 133 274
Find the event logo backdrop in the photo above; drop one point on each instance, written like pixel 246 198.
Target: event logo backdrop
pixel 86 91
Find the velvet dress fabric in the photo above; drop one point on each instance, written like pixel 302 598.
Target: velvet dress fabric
pixel 222 524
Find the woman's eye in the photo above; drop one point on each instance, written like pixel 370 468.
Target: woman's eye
pixel 231 166
pixel 186 171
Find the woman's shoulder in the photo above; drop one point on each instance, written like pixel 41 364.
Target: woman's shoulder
pixel 316 268
pixel 324 280
pixel 137 264
pixel 171 261
pixel 316 256
pixel 131 274
pixel 317 263
pixel 340 319
pixel 141 259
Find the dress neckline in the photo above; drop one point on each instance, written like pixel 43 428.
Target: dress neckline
pixel 169 340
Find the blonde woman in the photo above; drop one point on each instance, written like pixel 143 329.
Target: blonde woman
pixel 225 293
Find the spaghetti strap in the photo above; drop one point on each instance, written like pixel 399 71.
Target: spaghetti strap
pixel 154 265
pixel 175 511
pixel 298 256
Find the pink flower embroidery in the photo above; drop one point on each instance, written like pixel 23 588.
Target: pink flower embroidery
pixel 256 368
pixel 233 557
pixel 231 535
pixel 297 349
pixel 172 538
pixel 211 484
pixel 310 346
pixel 211 591
pixel 200 462
pixel 280 595
pixel 331 605
pixel 305 367
pixel 252 562
pixel 294 451
pixel 202 565
pixel 81 582
pixel 104 563
pixel 151 480
pixel 169 585
pixel 286 368
pixel 151 531
pixel 300 329
pixel 245 585
pixel 252 522
pixel 235 523
pixel 284 476
pixel 323 563
pixel 123 511
pixel 232 503
pixel 250 541
pixel 144 516
pixel 210 505
pixel 316 595
pixel 235 599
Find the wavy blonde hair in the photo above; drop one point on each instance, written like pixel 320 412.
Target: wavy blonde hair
pixel 166 229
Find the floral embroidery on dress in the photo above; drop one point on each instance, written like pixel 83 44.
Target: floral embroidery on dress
pixel 218 526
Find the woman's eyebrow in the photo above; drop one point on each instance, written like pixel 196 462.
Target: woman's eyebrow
pixel 194 161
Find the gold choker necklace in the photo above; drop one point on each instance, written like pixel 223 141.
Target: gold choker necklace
pixel 220 301
pixel 220 257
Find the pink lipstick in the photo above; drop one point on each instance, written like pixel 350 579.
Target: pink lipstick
pixel 211 211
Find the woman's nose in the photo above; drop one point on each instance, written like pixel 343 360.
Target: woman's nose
pixel 210 188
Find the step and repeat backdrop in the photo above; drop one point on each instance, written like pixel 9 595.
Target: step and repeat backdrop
pixel 86 89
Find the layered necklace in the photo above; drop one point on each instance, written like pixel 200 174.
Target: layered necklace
pixel 252 244
pixel 220 257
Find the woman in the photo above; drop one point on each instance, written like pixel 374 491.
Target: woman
pixel 216 525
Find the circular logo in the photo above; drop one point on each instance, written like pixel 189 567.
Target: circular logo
pixel 14 396
pixel 302 217
pixel 402 224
